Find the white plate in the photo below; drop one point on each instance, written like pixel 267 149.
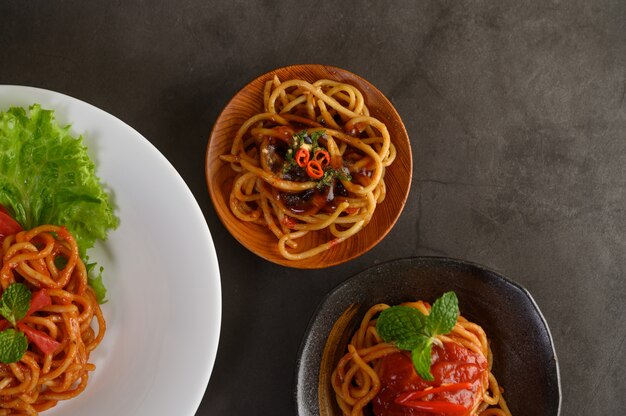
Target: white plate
pixel 164 296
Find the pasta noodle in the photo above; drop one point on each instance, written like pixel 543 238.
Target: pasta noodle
pixel 47 258
pixel 356 379
pixel 313 161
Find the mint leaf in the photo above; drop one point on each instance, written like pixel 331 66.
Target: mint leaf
pixel 443 315
pixel 13 345
pixel 421 356
pixel 411 330
pixel 15 302
pixel 401 325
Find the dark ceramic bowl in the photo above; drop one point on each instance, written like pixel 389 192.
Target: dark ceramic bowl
pixel 525 362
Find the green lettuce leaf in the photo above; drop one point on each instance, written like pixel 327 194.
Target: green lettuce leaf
pixel 95 281
pixel 47 177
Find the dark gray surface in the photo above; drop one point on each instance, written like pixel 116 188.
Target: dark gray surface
pixel 517 116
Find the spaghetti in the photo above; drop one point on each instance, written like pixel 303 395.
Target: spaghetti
pixel 313 161
pixel 378 374
pixel 46 260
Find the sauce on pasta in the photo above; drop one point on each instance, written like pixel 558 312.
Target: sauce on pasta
pixel 312 161
pixel 462 372
pixel 46 260
pixel 377 375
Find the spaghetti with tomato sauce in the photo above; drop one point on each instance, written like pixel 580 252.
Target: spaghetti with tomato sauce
pixel 377 375
pixel 63 323
pixel 460 376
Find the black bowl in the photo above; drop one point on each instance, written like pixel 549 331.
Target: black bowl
pixel 525 362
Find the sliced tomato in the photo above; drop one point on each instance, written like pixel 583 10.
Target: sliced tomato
pixel 8 226
pixel 43 341
pixel 4 324
pixel 40 299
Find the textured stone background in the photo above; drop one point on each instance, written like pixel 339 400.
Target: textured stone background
pixel 517 116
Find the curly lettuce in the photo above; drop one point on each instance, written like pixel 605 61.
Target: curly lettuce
pixel 47 177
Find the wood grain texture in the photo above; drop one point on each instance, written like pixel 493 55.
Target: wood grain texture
pixel 259 239
pixel 335 347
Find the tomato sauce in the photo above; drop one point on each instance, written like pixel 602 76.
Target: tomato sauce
pixel 313 201
pixel 459 370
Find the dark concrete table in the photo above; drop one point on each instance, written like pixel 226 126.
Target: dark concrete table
pixel 517 116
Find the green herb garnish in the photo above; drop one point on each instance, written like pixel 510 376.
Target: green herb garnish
pixel 13 345
pixel 310 142
pixel 14 305
pixel 330 174
pixel 289 161
pixel 15 302
pixel 298 139
pixel 411 330
pixel 314 139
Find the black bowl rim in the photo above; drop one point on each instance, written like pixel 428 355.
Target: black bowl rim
pixel 421 259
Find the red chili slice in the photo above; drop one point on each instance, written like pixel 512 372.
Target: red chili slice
pixel 302 157
pixel 314 169
pixel 322 157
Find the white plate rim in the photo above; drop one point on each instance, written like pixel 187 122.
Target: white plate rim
pixel 19 95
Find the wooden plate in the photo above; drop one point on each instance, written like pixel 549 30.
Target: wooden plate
pixel 259 239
